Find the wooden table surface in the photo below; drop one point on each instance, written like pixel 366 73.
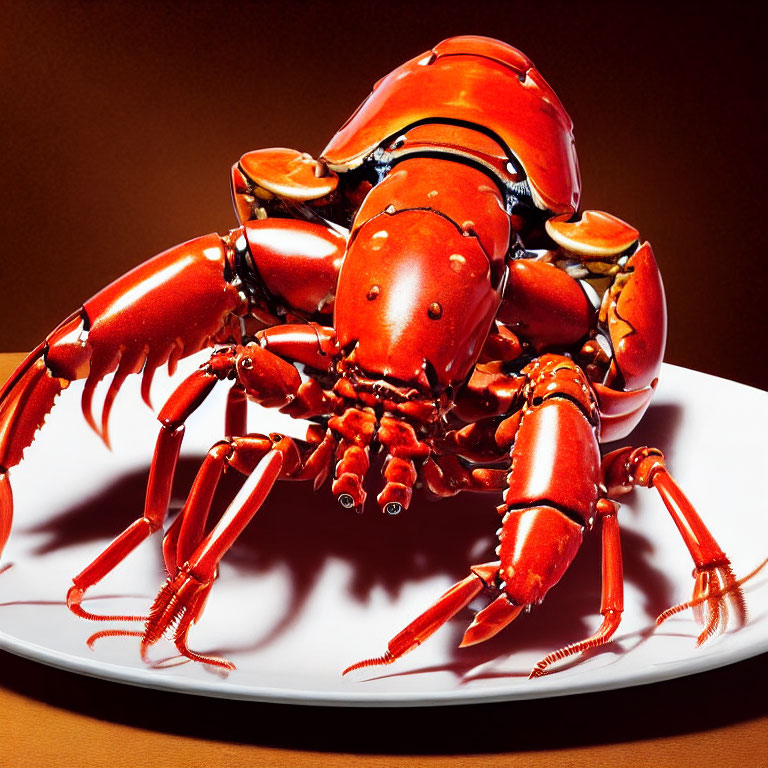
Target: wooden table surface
pixel 48 716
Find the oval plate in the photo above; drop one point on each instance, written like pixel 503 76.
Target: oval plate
pixel 311 587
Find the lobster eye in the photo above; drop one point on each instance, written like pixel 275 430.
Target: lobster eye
pixel 435 311
pixel 393 508
pixel 373 292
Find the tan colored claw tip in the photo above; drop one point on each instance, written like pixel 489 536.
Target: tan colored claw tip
pixel 288 173
pixel 596 235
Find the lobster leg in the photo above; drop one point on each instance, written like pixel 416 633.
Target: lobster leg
pixel 459 596
pixel 243 454
pixel 552 489
pixel 185 400
pixel 447 476
pixel 180 602
pixel 188 528
pixel 262 375
pixel 236 418
pixel 551 496
pixel 716 588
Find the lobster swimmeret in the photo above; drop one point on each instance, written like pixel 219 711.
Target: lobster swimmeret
pixel 447 306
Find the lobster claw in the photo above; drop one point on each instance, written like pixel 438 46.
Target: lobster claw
pixel 490 621
pixel 24 401
pixel 166 308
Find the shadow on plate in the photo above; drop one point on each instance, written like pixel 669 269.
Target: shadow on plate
pixel 300 531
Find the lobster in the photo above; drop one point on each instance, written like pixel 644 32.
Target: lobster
pixel 426 291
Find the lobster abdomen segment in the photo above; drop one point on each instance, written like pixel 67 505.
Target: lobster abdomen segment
pixel 472 81
pixel 129 322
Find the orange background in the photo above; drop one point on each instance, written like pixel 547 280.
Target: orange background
pixel 121 121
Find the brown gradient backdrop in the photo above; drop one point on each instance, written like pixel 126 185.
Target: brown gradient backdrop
pixel 120 123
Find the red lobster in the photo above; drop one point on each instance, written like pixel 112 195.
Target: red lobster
pixel 426 290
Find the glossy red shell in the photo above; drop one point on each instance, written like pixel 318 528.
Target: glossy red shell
pixel 128 325
pixel 298 261
pixel 477 81
pixel 424 287
pixel 545 305
pixel 462 193
pixel 638 327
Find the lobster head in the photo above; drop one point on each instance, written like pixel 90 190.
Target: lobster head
pixel 415 300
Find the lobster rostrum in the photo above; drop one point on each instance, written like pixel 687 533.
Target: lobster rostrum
pixel 426 290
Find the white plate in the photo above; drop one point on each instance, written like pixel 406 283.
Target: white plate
pixel 312 587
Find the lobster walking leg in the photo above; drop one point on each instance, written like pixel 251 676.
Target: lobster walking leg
pixel 188 528
pixel 261 374
pixel 459 596
pixel 185 400
pixel 180 602
pixel 716 588
pixel 236 418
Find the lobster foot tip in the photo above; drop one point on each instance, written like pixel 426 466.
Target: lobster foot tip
pixel 717 600
pixel 75 598
pixel 387 658
pixel 611 621
pixel 214 661
pixel 177 606
pixel 91 641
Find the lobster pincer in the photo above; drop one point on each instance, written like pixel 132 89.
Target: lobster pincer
pixel 195 295
pixel 122 330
